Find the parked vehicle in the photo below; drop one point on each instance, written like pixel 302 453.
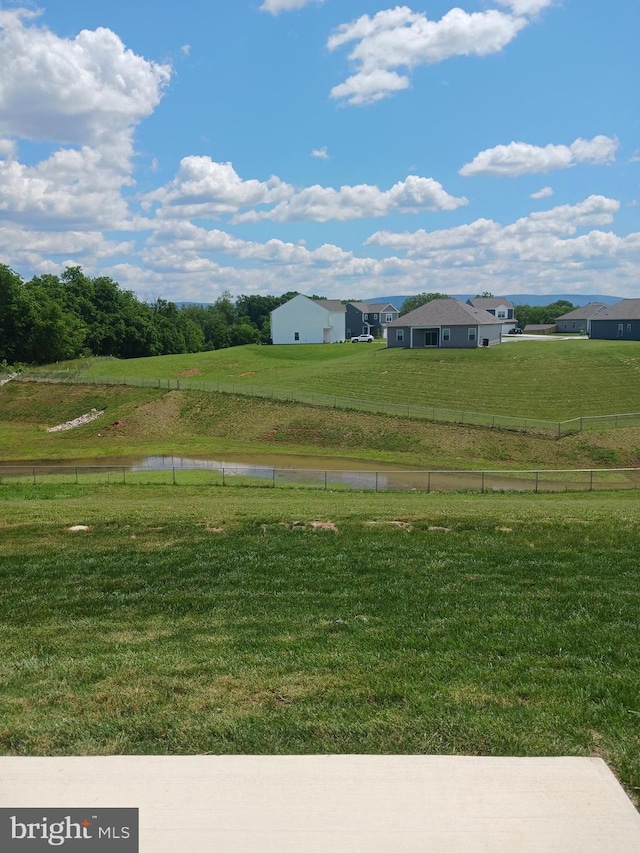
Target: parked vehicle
pixel 362 339
pixel 515 331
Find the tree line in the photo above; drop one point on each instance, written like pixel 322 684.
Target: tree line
pixel 54 318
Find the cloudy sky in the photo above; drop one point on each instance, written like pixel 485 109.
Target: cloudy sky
pixel 341 147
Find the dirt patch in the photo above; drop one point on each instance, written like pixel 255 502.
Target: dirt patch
pixel 77 528
pixel 437 527
pixel 504 529
pixel 323 525
pixel 247 373
pixel 191 371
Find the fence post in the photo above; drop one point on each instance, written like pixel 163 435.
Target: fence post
pixel 76 475
pixel 325 481
pixel 273 477
pixel 173 469
pixel 223 483
pixel 591 480
pixel 34 475
pixel 428 481
pixel 482 489
pixel 537 477
pixel 124 475
pixel 580 424
pixel 376 481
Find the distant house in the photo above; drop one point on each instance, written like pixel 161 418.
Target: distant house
pixel 308 321
pixel 619 322
pixel 446 323
pixel 579 320
pixel 500 307
pixel 369 318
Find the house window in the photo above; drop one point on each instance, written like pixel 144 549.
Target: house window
pixel 628 327
pixel 399 334
pixel 446 335
pixel 472 333
pixel 388 318
pixel 502 315
pixel 573 324
pixel 348 333
pixel 620 329
pixel 375 316
pixel 366 316
pixel 296 336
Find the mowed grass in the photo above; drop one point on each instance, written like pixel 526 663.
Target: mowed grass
pixel 197 424
pixel 209 621
pixel 549 379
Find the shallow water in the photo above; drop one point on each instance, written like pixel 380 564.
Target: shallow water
pixel 324 472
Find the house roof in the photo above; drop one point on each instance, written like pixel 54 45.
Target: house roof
pixel 331 304
pixel 583 313
pixel 489 302
pixel 626 309
pixel 373 307
pixel 446 312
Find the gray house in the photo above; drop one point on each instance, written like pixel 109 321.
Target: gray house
pixel 369 318
pixel 619 322
pixel 445 323
pixel 579 320
pixel 498 306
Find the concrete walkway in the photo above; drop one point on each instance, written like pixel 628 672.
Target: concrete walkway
pixel 341 803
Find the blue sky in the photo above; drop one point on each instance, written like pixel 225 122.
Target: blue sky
pixel 348 148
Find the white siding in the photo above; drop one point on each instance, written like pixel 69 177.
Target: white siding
pixel 311 322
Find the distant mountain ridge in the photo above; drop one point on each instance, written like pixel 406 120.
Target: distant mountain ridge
pixel 577 299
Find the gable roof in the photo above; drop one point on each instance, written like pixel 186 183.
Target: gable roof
pixel 447 312
pixel 585 312
pixel 626 309
pixel 489 302
pixel 331 305
pixel 373 307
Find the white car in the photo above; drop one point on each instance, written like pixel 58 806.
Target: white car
pixel 362 339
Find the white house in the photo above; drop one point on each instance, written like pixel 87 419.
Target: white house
pixel 308 321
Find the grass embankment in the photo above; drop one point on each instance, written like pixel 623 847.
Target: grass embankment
pixel 227 623
pixel 554 380
pixel 152 422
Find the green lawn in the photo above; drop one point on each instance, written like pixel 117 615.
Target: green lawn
pixel 229 622
pixel 553 380
pixel 189 423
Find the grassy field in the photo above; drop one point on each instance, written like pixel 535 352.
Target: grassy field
pixel 250 620
pixel 551 379
pixel 195 424
pixel 258 622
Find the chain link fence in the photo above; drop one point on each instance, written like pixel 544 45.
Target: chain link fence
pixel 429 413
pixel 203 473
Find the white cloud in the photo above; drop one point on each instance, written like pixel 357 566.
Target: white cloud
pixel 521 158
pixel 320 153
pixel 536 235
pixel 186 49
pixel 88 92
pixel 8 149
pixel 205 188
pixel 321 204
pixel 526 7
pixel 277 6
pixel 72 188
pixel 545 192
pixel 80 91
pixel 400 38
